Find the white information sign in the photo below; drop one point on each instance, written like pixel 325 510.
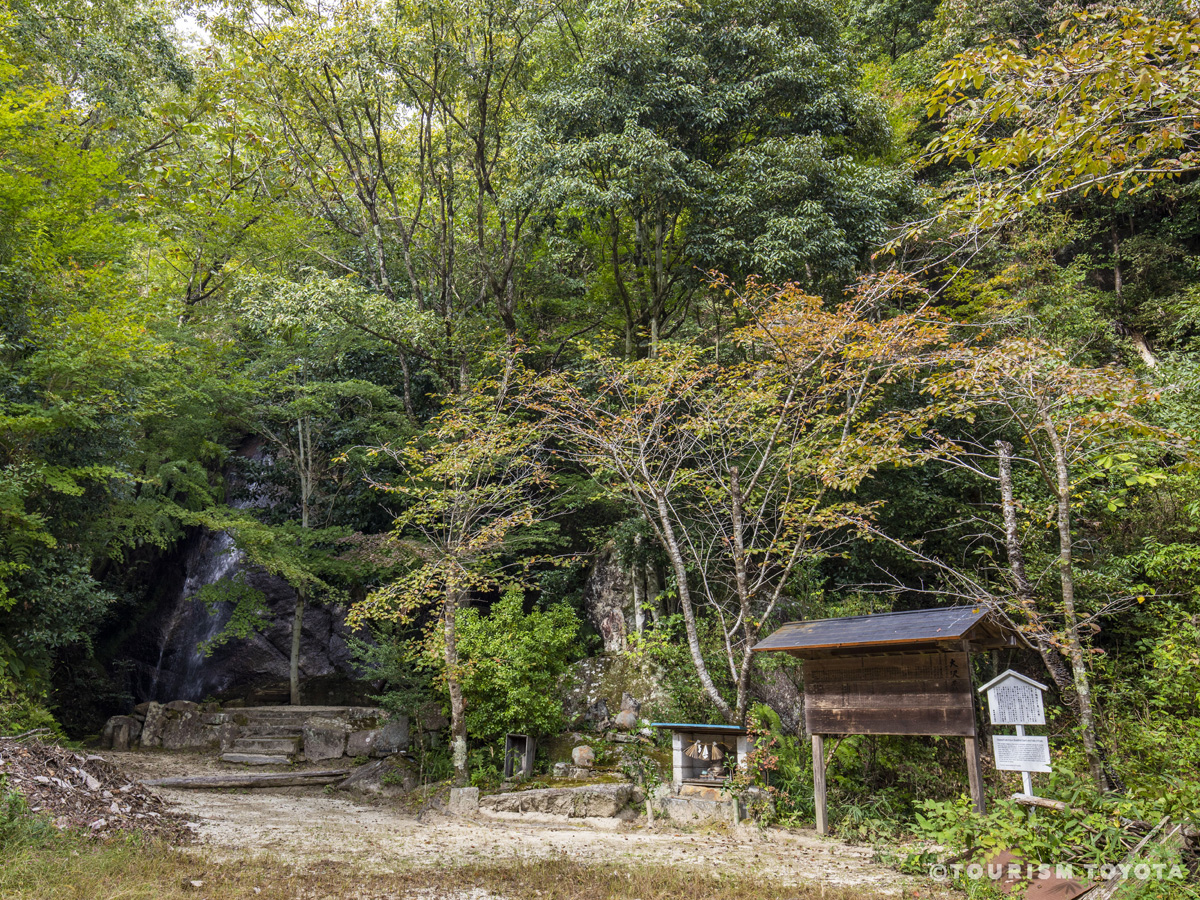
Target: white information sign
pixel 1014 699
pixel 1021 754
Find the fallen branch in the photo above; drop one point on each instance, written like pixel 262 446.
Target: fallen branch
pixel 274 779
pixel 1110 887
pixel 1045 803
pixel 1059 806
pixel 31 733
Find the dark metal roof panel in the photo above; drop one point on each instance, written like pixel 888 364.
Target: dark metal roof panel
pixel 687 726
pixel 916 626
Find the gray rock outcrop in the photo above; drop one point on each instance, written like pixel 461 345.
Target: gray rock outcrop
pixel 325 739
pixel 608 599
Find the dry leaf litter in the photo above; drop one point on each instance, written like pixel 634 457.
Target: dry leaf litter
pixel 85 791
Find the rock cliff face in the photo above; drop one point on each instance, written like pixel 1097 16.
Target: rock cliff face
pixel 163 651
pixel 171 666
pixel 608 599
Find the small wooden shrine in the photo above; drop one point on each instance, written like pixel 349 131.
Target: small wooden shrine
pixel 891 673
pixel 705 754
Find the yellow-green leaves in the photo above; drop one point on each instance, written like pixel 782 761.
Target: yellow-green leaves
pixel 1111 106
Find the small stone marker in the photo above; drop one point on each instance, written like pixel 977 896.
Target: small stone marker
pixel 583 756
pixel 463 801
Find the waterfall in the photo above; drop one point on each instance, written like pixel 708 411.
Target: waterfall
pixel 180 670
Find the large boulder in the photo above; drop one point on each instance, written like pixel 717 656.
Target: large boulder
pixel 391 738
pixel 186 727
pixel 120 733
pixel 599 688
pixel 589 800
pixel 388 777
pixel 361 743
pixel 626 720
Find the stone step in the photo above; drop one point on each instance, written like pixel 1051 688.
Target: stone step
pixel 256 730
pixel 255 759
pixel 254 744
pixel 306 711
pixel 277 718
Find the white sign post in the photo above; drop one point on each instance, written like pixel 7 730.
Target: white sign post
pixel 1016 700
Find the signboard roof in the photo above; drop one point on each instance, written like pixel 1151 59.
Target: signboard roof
pixel 694 726
pixel 891 630
pixel 1005 676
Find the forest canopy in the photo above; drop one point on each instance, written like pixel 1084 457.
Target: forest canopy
pixel 795 308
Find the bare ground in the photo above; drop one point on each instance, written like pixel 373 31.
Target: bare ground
pixel 308 825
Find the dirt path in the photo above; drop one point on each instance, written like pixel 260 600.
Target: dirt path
pixel 307 824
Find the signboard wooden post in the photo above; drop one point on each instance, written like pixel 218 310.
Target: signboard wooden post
pixel 1014 699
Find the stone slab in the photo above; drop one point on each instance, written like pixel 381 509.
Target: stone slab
pixel 590 800
pixel 324 741
pixel 255 759
pixel 361 743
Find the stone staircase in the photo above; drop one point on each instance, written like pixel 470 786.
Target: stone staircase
pixel 266 735
pixel 271 735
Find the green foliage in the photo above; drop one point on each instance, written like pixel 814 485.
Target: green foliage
pixel 19 828
pixel 1089 831
pixel 394 656
pixel 779 765
pixel 1110 111
pixel 247 609
pixel 685 138
pixel 20 709
pixel 512 663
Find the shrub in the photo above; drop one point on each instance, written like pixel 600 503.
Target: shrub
pixel 512 662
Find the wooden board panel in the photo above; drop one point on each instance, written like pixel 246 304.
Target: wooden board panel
pixel 900 693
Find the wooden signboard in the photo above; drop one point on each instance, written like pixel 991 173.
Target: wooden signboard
pixel 890 693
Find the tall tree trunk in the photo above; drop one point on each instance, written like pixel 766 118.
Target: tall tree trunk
pixel 294 662
pixel 1074 645
pixel 1051 658
pixel 458 723
pixel 678 564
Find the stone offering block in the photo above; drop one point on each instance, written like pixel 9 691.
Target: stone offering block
pixel 463 801
pixel 324 739
pixel 589 800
